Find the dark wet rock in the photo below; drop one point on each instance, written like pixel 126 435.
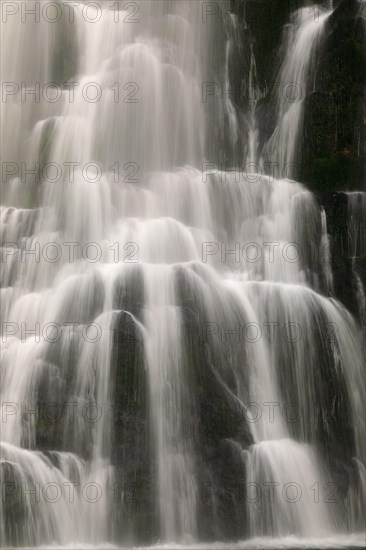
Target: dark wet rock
pixel 14 510
pixel 218 422
pixel 334 151
pixel 129 291
pixel 346 251
pixel 134 508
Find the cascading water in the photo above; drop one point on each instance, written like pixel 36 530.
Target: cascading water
pixel 163 331
pixel 302 39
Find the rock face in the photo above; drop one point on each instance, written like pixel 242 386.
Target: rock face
pixel 130 446
pixel 264 24
pixel 332 157
pixel 334 152
pixel 14 510
pixel 334 147
pixel 346 215
pixel 333 162
pixel 218 422
pixel 215 420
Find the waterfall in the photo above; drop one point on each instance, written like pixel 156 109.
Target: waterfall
pixel 301 41
pixel 232 36
pixel 166 348
pixel 169 397
pixel 255 96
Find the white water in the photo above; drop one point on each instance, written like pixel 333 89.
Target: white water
pixel 168 216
